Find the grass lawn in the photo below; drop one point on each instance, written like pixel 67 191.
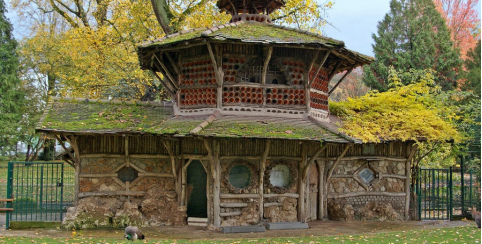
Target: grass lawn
pixel 444 235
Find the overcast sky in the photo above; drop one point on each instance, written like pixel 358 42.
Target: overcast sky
pixel 354 22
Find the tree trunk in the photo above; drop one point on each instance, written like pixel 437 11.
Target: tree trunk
pixel 163 14
pixel 414 206
pixel 29 147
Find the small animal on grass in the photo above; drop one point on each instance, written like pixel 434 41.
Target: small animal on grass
pixel 476 216
pixel 133 233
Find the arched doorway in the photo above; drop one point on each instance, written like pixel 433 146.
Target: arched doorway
pixel 196 190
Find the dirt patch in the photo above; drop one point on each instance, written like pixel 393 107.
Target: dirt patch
pixel 317 228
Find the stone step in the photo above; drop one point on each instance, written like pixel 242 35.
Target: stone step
pixel 197 224
pixel 195 219
pixel 287 226
pixel 243 229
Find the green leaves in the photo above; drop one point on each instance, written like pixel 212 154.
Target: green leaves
pixel 11 96
pixel 413 35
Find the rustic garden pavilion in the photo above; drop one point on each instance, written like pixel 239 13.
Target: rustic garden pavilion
pixel 247 138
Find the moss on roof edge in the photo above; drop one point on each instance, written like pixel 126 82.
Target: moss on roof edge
pixel 210 33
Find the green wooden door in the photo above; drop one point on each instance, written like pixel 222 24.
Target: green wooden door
pixel 196 190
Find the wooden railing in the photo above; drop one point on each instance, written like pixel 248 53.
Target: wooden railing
pixel 6 200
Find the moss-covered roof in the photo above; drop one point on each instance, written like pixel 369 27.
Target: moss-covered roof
pixel 95 116
pixel 248 32
pixel 80 116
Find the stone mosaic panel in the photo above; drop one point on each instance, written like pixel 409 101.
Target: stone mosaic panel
pixel 153 165
pixel 99 184
pixel 100 165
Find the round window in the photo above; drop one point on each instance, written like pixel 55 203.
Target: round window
pixel 240 176
pixel 280 176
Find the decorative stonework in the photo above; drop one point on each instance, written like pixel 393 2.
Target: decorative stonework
pixel 94 212
pixel 281 209
pixel 252 184
pixel 293 177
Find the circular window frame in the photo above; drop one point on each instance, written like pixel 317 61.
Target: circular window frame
pixel 293 172
pixel 251 185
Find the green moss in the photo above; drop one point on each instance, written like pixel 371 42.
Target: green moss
pixel 252 31
pixel 265 32
pixel 180 37
pixel 81 116
pixel 175 127
pixel 254 129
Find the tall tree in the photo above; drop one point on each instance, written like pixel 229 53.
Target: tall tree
pixel 462 20
pixel 472 74
pixel 413 35
pixel 10 96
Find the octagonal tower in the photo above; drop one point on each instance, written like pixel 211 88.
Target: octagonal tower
pixel 249 66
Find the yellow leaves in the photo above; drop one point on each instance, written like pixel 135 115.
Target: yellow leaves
pixel 403 113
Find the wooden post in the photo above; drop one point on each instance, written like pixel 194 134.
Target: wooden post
pixel 73 142
pixel 167 144
pixel 313 61
pixel 217 185
pixel 301 184
pixel 407 181
pixel 333 166
pixel 312 160
pixel 265 65
pixel 262 169
pixel 126 145
pixel 166 72
pixel 321 206
pixel 342 78
pixel 218 71
pixel 168 89
pixel 213 155
pixel 183 182
pixel 319 67
pixel 174 65
pixel 334 71
pixel 67 150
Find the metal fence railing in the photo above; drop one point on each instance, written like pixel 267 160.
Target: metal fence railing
pixel 41 190
pixel 445 193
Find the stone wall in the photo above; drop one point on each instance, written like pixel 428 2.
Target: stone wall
pixel 350 197
pixel 249 214
pixel 281 209
pixel 158 206
pixel 278 209
pixel 284 209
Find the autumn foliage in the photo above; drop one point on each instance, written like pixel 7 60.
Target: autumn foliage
pixel 88 48
pixel 410 112
pixel 462 20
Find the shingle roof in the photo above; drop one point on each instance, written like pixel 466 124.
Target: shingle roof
pixel 82 116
